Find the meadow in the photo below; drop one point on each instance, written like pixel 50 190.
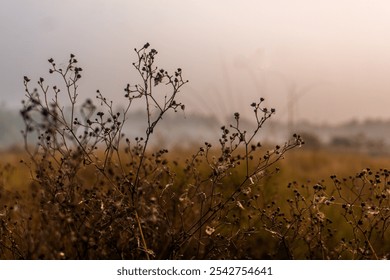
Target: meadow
pixel 80 189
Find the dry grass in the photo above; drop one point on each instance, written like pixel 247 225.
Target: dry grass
pixel 305 168
pixel 308 164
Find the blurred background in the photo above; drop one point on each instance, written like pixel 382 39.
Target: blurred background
pixel 323 65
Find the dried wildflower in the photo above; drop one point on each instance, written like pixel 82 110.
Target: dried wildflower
pixel 209 230
pixel 247 190
pixel 239 204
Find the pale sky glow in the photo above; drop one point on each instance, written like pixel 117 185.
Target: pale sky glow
pixel 335 53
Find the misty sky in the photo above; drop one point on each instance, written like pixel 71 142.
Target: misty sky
pixel 333 56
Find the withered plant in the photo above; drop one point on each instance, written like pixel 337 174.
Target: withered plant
pixel 96 194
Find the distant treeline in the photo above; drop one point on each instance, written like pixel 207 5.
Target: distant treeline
pixel 187 129
pixel 10 125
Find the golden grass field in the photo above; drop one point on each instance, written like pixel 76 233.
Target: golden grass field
pixel 302 168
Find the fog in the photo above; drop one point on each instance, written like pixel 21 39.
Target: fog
pixel 322 61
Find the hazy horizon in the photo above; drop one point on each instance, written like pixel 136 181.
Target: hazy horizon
pixel 331 55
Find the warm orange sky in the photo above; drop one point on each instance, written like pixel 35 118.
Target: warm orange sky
pixel 335 53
